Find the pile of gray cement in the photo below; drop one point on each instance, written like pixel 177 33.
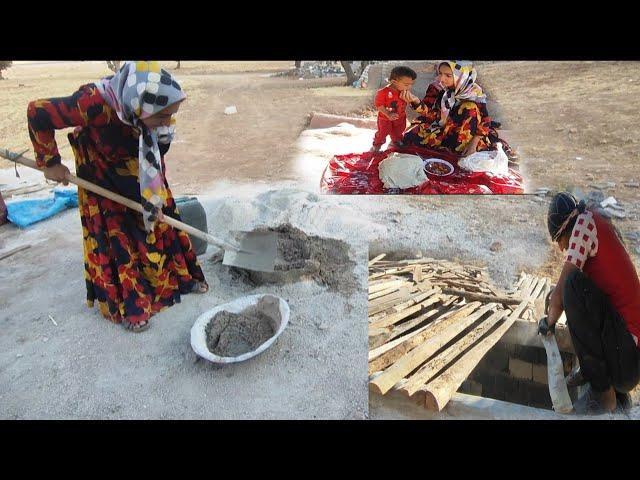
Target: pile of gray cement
pixel 302 256
pixel 232 334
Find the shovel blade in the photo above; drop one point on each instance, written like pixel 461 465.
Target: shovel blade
pixel 258 251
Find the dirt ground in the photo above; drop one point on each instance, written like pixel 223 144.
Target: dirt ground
pixel 84 367
pixel 253 144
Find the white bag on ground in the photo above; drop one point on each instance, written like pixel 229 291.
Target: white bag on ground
pixel 401 170
pixel 495 161
pixel 199 335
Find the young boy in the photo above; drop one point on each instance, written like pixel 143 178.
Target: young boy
pixel 392 119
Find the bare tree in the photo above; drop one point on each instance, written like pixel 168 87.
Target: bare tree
pixel 351 77
pixel 178 65
pixel 114 65
pixel 4 64
pixel 363 65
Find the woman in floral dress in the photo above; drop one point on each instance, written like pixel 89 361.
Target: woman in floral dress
pixel 453 114
pixel 135 264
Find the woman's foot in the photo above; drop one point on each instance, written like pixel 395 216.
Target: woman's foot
pixel 200 287
pixel 136 327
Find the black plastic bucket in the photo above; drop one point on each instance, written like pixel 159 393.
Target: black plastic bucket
pixel 192 213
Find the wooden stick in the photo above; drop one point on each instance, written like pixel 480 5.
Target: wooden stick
pixel 378 258
pixel 480 297
pixel 27 162
pixel 13 251
pixel 23 190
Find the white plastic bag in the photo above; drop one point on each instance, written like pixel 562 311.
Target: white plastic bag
pixel 401 170
pixel 495 161
pixel 199 336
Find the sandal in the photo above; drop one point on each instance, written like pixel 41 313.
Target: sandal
pixel 136 327
pixel 200 287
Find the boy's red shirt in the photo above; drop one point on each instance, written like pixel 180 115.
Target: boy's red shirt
pixel 389 98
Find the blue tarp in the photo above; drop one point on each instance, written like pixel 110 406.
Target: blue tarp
pixel 27 212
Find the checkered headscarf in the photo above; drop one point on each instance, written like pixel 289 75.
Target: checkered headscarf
pixel 138 91
pixel 464 87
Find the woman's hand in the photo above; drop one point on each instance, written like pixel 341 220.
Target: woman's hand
pixel 57 173
pixel 472 147
pixel 393 116
pixel 409 97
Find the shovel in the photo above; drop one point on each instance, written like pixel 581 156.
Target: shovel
pixel 254 250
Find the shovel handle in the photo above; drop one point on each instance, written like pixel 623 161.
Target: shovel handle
pixel 27 162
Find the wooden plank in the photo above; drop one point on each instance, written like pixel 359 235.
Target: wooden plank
pixel 436 364
pixel 391 290
pixel 418 355
pixel 439 391
pixel 539 287
pixel 379 297
pixel 376 352
pixel 434 328
pixel 394 318
pixel 374 276
pixel 385 285
pixel 377 259
pixel 417 273
pixel 374 332
pixel 416 298
pixel 398 330
pixel 386 278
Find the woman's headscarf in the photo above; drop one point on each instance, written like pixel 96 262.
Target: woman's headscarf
pixel 465 87
pixel 138 91
pixel 563 208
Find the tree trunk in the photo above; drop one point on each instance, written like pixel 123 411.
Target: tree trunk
pixel 351 77
pixel 178 65
pixel 298 64
pixel 114 65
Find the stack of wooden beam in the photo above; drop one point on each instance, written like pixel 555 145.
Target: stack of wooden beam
pixel 431 322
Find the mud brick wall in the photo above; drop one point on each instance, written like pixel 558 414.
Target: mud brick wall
pixel 515 373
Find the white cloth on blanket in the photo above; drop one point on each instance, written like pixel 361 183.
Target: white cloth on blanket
pixel 401 170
